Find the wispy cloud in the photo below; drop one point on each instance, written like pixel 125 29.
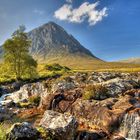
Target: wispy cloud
pixel 39 12
pixel 85 11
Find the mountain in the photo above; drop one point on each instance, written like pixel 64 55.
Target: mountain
pixel 52 44
pixel 131 61
pixel 51 41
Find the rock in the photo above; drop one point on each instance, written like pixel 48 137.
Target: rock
pixel 3 90
pixel 94 112
pixel 27 91
pixel 117 86
pixel 22 131
pixel 63 85
pixel 117 137
pixel 16 85
pixel 59 101
pixel 98 77
pixel 61 126
pixel 103 114
pixel 87 135
pixel 133 93
pixel 5 114
pixel 80 77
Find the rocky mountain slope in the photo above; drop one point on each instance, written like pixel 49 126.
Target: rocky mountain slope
pixel 51 41
pixel 80 106
pixel 131 61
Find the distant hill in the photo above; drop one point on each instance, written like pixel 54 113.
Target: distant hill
pixel 131 61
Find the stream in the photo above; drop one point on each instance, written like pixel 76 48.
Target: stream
pixel 130 127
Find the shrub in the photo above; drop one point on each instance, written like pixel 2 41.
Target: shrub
pixel 44 134
pixel 24 105
pixel 56 67
pixel 97 92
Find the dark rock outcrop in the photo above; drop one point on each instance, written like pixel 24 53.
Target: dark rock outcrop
pixel 22 131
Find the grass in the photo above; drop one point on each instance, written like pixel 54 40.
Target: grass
pixel 88 63
pixel 77 64
pixel 3 131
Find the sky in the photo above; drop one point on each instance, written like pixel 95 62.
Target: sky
pixel 110 29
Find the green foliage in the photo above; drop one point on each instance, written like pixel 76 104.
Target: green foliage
pixel 30 67
pixel 16 54
pixel 97 92
pixel 2 132
pixel 4 128
pixel 56 67
pixel 45 134
pixel 42 132
pixel 35 100
pixel 24 104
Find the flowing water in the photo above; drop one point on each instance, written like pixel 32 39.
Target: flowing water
pixel 130 128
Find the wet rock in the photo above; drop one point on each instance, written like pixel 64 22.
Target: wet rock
pixel 61 126
pixel 27 91
pixel 22 131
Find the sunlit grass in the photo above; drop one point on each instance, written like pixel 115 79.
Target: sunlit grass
pixel 76 66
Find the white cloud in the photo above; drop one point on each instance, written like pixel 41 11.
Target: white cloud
pixel 80 14
pixel 69 1
pixel 39 12
pixel 64 13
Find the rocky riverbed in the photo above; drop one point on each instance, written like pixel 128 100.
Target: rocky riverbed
pixel 75 106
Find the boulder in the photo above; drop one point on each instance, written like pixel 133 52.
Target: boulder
pixel 59 101
pixel 118 86
pixel 22 131
pixel 27 91
pixel 61 126
pixel 94 112
pixel 103 114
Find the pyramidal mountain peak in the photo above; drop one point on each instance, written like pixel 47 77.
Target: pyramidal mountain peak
pixel 51 40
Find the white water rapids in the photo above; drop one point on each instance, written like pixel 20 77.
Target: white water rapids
pixel 130 128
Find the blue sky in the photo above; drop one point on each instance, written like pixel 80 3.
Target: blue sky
pixel 109 28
